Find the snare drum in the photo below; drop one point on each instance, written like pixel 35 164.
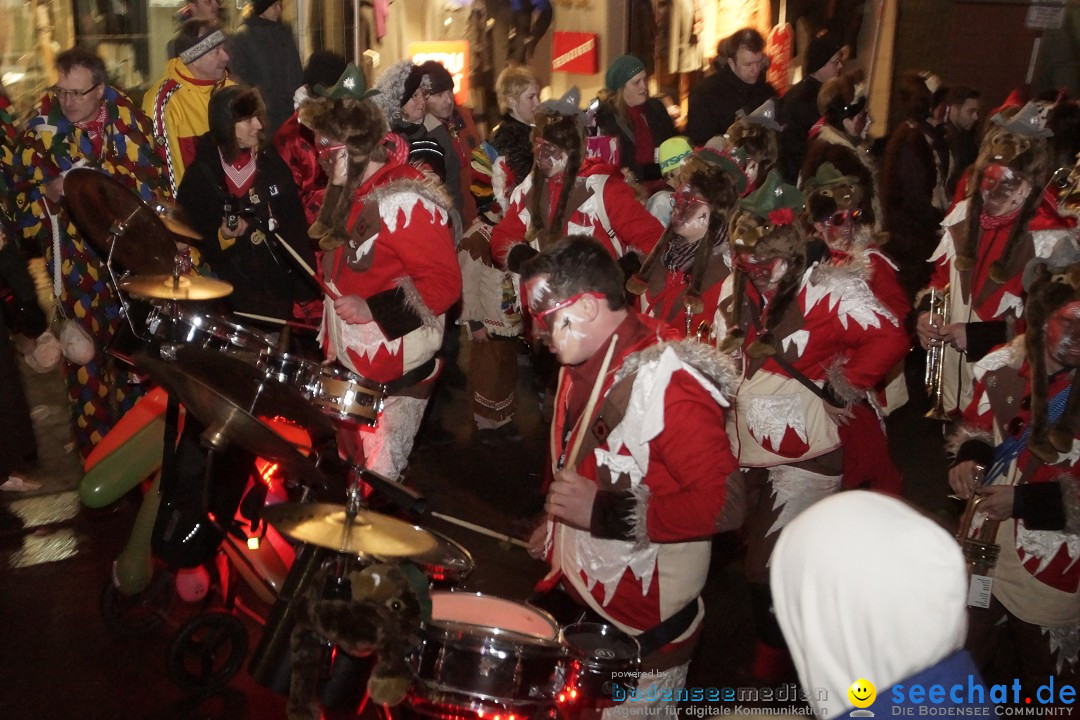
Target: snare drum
pixel 289 369
pixel 602 657
pixel 345 395
pixel 489 649
pixel 210 332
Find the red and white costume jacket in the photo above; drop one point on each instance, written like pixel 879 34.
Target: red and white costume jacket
pixel 490 296
pixel 664 297
pixel 835 333
pixel 601 205
pixel 657 449
pixel 296 145
pixel 1037 575
pixel 974 296
pixel 400 258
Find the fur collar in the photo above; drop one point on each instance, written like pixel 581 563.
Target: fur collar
pixel 706 359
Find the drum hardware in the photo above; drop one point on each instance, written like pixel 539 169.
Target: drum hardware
pixel 175 220
pixel 933 378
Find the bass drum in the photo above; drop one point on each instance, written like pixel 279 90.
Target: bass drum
pixel 488 650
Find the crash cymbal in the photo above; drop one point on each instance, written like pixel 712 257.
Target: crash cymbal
pixel 229 396
pixel 103 209
pixel 169 287
pixel 175 219
pixel 368 533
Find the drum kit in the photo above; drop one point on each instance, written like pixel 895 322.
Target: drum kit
pixel 479 654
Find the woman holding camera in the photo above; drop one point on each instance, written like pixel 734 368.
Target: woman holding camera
pixel 240 197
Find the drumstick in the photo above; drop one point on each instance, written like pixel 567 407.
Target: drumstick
pixel 277 321
pixel 307 268
pixel 480 529
pixel 590 406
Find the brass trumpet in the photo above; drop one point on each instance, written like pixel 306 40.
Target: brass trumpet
pixel 704 332
pixel 980 550
pixel 935 356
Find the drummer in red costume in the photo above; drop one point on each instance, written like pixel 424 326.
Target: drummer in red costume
pixel 633 510
pixel 1005 221
pixel 390 262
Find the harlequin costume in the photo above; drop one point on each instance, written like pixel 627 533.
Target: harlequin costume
pixel 680 281
pixel 590 198
pixel 387 240
pixel 1023 427
pixel 834 198
pixel 820 337
pixel 119 144
pixel 981 256
pixel 177 106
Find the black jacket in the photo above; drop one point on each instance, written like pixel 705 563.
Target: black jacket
pixel 660 125
pixel 513 140
pixel 797 113
pixel 265 277
pixel 263 54
pixel 424 148
pixel 716 99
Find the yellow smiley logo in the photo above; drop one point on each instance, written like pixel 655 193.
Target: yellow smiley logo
pixel 862 693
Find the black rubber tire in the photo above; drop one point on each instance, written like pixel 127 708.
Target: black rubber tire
pixel 138 614
pixel 207 652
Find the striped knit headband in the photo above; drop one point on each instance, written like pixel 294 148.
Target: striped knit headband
pixel 202 47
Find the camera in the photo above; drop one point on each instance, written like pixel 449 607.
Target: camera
pixel 233 208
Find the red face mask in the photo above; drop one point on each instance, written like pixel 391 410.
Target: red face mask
pixel 1002 189
pixel 759 271
pixel 1063 335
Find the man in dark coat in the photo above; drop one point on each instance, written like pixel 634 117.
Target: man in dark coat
pixel 798 108
pixel 738 84
pixel 264 56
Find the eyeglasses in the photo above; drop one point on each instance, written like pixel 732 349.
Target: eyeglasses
pixel 839 219
pixel 323 150
pixel 73 94
pixel 540 318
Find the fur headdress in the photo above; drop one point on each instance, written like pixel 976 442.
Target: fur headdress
pixel 561 123
pixel 1049 290
pixel 829 191
pixel 1015 138
pixel 361 126
pixel 766 224
pixel 715 178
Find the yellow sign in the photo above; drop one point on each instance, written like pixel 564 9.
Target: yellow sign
pixel 862 693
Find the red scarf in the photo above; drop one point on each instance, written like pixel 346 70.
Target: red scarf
pixel 239 174
pixel 95 130
pixel 643 139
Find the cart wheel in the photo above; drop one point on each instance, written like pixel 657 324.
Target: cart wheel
pixel 207 652
pixel 137 614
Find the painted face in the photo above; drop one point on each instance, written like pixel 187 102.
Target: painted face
pixel 441 104
pixel 550 158
pixel 80 98
pixel 838 229
pixel 1063 335
pixel 747 65
pixel 1003 190
pixel 689 213
pixel 524 105
pixel 765 273
pixel 557 322
pixel 333 159
pixel 248 132
pixel 636 90
pixel 415 107
pixel 1065 184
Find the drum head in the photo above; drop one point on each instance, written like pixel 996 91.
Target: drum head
pixel 600 643
pixel 450 562
pixel 492 613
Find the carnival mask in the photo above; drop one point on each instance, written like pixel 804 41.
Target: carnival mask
pixel 1065 184
pixel 1003 190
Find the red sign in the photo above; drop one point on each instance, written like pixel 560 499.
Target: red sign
pixel 575 52
pixel 454 56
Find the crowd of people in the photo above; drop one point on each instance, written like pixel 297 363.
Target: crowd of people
pixel 720 318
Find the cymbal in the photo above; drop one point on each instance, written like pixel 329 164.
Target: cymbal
pixel 175 219
pixel 228 396
pixel 168 287
pixel 369 533
pixel 106 212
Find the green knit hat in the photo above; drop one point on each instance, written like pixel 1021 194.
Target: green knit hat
pixel 773 195
pixel 620 72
